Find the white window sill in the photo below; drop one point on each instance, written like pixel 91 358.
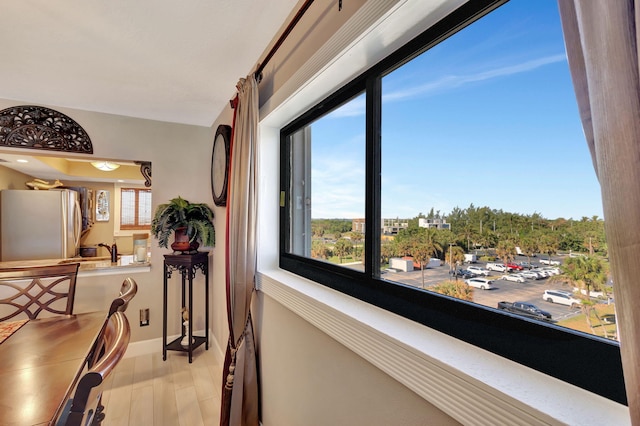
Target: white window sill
pixel 444 371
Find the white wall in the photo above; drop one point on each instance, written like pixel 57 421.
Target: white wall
pixel 181 165
pixel 310 379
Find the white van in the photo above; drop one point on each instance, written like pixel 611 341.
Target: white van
pixel 478 270
pixel 562 297
pixel 481 283
pixel 498 267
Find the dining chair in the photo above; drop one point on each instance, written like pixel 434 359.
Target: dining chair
pixel 128 289
pixel 85 407
pixel 32 290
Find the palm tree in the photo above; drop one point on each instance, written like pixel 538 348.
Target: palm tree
pixel 356 238
pixel 424 247
pixel 506 251
pixel 468 234
pixel 529 247
pixel 548 244
pixel 454 257
pixel 587 273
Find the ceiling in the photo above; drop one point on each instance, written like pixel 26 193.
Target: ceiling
pixel 161 60
pixel 50 168
pixel 156 59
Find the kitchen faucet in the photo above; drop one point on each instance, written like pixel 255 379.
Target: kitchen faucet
pixel 113 251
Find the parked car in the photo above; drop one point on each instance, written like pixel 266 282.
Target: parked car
pixel 525 265
pixel 541 272
pixel 478 270
pixel 515 266
pixel 498 267
pixel 514 277
pixel 552 271
pixel 549 262
pixel 464 273
pixel 481 283
pixel 531 275
pixel 528 310
pixel 562 297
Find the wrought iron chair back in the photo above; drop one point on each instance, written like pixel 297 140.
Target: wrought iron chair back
pixel 32 290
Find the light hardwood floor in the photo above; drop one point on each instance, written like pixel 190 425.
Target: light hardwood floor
pixel 145 390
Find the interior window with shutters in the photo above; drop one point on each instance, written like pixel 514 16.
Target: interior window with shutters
pixel 135 211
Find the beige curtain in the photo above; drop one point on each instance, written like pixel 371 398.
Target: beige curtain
pixel 239 405
pixel 601 38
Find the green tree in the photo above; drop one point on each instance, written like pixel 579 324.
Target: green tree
pixel 319 250
pixel 356 238
pixel 529 247
pixel 423 246
pixel 457 289
pixel 587 273
pixel 455 256
pixel 388 249
pixel 342 248
pixel 317 230
pixel 506 250
pixel 590 242
pixel 548 244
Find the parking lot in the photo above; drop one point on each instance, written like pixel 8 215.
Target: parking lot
pixel 530 291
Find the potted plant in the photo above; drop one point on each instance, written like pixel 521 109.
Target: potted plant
pixel 191 223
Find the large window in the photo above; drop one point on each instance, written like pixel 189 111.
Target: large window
pixel 328 179
pixel 462 153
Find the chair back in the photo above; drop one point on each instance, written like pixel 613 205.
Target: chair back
pixel 86 407
pixel 128 289
pixel 32 290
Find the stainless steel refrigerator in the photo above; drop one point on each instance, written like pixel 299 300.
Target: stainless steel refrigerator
pixel 39 224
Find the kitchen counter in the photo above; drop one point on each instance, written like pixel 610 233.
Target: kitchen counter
pixel 125 264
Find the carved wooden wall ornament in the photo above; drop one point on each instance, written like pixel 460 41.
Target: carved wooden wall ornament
pixel 145 170
pixel 36 127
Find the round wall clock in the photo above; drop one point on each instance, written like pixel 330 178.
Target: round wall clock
pixel 220 165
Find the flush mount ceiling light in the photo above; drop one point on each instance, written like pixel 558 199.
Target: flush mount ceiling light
pixel 105 166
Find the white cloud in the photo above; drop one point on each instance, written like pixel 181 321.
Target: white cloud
pixel 455 81
pixel 357 106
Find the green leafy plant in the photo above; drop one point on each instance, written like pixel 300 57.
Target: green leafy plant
pixel 197 218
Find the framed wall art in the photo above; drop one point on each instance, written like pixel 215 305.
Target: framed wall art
pixel 102 205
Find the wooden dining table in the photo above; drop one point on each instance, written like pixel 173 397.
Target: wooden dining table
pixel 40 364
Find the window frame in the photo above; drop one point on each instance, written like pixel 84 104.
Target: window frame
pixel 589 362
pixel 127 230
pixel 137 191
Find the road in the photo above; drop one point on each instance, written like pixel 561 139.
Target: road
pixel 530 291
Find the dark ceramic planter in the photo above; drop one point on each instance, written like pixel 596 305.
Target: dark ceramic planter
pixel 181 241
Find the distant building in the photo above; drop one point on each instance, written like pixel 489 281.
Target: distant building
pixel 433 223
pixel 393 226
pixel 389 226
pixel 357 225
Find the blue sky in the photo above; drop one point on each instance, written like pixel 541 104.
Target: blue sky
pixel 488 118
